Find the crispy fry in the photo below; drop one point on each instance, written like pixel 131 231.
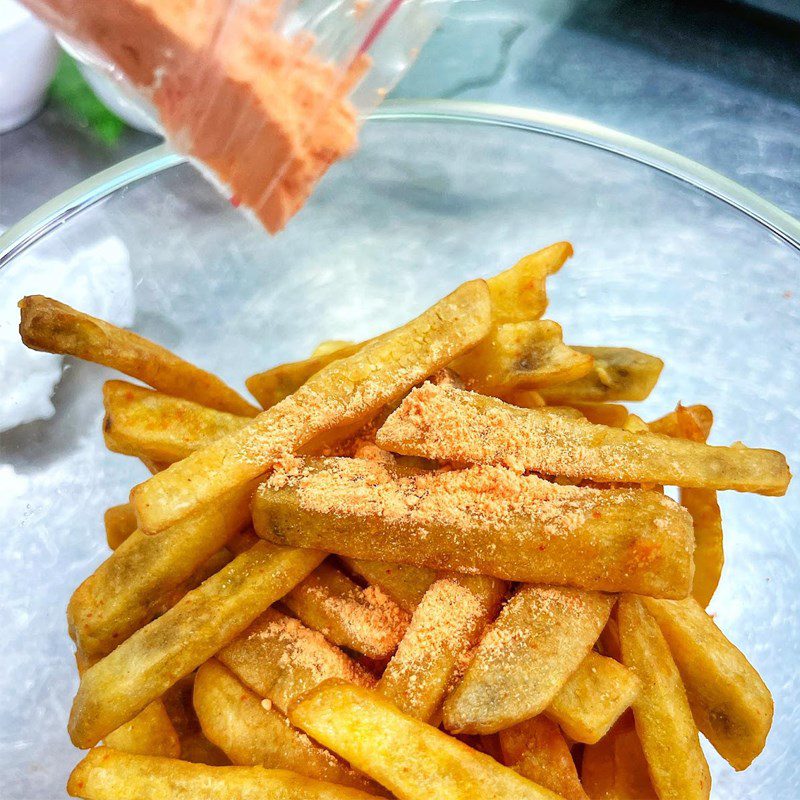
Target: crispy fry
pixel 144 666
pixel 611 414
pixel 685 422
pixel 120 523
pixel 519 356
pixel 146 424
pixel 485 520
pixel 524 398
pixel 250 734
pixel 415 761
pixel 664 721
pixel 404 583
pixel 149 733
pixel 365 620
pixel 56 328
pixel 539 640
pixel 330 346
pixel 615 768
pixel 347 391
pixel 453 425
pixel 107 774
pixel 730 702
pixel 537 749
pixel 196 749
pixel 127 590
pixel 635 424
pixel 445 627
pixel 619 373
pixel 280 659
pixel 593 698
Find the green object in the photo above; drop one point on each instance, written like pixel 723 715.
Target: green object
pixel 70 89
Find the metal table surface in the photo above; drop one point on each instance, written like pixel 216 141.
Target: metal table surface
pixel 712 80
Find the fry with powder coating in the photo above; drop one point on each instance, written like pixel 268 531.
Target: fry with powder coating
pixel 663 718
pixel 146 424
pixel 365 620
pixel 144 666
pixel 106 774
pixel 53 327
pixel 126 591
pixel 593 698
pixel 445 627
pixel 280 659
pixel 454 425
pixel 540 638
pixel 413 760
pixel 252 734
pixel 404 583
pixel 618 373
pixel 485 520
pixel 537 749
pixel 730 702
pixel 347 391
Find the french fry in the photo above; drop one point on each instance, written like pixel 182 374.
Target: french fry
pixel 251 734
pixel 404 583
pixel 536 531
pixel 593 698
pixel 280 659
pixel 615 768
pixel 518 356
pixel 347 391
pixel 685 422
pixel 56 328
pixel 538 641
pixel 452 425
pixel 412 759
pixel 144 666
pixel 120 523
pixel 196 749
pixel 524 398
pixel 365 620
pixel 330 346
pixel 149 733
pixel 611 414
pixel 445 627
pixel 730 702
pixel 537 750
pixel 663 718
pixel 635 424
pixel 146 424
pixel 106 774
pixel 127 590
pixel 619 373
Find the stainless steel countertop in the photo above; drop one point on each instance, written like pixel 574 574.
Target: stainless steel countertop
pixel 711 80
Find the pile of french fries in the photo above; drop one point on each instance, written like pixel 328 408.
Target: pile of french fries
pixel 314 600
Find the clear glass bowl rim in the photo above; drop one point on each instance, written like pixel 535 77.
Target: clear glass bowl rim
pixel 85 194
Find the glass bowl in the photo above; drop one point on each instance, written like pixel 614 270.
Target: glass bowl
pixel 670 258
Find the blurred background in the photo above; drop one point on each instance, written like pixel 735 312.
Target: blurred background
pixel 714 80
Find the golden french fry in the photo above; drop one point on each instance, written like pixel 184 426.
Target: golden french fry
pixel 635 424
pixel 330 346
pixel 149 733
pixel 593 698
pixel 530 530
pixel 347 391
pixel 56 328
pixel 730 702
pixel 664 721
pixel 144 666
pixel 196 749
pixel 365 620
pixel 412 759
pixel 107 774
pixel 127 590
pixel 615 768
pixel 445 627
pixel 452 425
pixel 404 583
pixel 524 398
pixel 619 373
pixel 120 523
pixel 685 422
pixel 611 414
pixel 518 356
pixel 537 749
pixel 280 659
pixel 241 541
pixel 250 734
pixel 146 424
pixel 538 641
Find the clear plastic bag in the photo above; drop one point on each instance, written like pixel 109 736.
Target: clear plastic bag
pixel 263 95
